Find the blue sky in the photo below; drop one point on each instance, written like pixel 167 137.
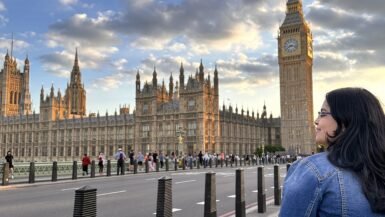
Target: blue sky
pixel 118 37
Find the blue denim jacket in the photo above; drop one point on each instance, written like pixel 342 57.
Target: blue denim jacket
pixel 315 187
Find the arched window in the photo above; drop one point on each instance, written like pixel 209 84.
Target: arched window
pixel 11 98
pixel 15 98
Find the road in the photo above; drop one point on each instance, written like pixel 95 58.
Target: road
pixel 134 195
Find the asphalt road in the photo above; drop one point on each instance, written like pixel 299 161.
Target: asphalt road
pixel 135 195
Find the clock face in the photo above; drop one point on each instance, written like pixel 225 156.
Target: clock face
pixel 291 45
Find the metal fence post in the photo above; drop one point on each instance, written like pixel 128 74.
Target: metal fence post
pixel 240 203
pixel 164 199
pixel 157 165
pixel 210 209
pixel 277 186
pixel 93 169
pixel 135 166
pixel 75 170
pixel 108 167
pixel 54 171
pixel 5 179
pixel 85 202
pixel 261 191
pixel 31 172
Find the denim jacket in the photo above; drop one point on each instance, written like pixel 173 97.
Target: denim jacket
pixel 315 187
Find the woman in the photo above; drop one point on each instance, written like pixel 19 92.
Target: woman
pixel 9 159
pixel 349 178
pixel 101 160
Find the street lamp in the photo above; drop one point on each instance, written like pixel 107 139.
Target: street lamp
pixel 180 149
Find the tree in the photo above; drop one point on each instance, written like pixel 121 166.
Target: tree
pixel 258 152
pixel 273 148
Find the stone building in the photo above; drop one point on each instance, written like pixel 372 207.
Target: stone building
pixel 186 109
pixel 15 98
pixel 295 58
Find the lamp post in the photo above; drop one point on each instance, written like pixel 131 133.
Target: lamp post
pixel 180 149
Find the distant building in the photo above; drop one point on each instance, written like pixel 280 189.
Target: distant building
pixel 295 57
pixel 62 132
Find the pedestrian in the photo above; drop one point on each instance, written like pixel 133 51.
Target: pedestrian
pixel 131 157
pixel 101 160
pixel 120 157
pixel 85 162
pixel 140 159
pixel 9 159
pixel 200 156
pixel 161 159
pixel 348 179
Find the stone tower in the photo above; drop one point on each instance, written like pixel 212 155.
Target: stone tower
pixel 295 57
pixel 75 92
pixel 15 97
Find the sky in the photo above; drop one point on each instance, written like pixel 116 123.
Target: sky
pixel 117 38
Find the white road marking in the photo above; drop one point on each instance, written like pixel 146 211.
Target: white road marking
pixel 66 189
pixel 231 196
pixel 116 192
pixel 184 181
pixel 150 179
pixel 255 191
pixel 203 203
pixel 173 210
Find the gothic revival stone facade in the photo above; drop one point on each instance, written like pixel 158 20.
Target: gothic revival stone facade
pixel 62 132
pixel 295 56
pixel 15 98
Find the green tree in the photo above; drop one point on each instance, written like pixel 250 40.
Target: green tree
pixel 273 148
pixel 258 152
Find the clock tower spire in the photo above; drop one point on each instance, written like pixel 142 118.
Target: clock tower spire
pixel 295 58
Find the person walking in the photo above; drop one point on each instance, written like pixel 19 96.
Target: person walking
pixel 9 159
pixel 101 160
pixel 348 179
pixel 85 162
pixel 120 157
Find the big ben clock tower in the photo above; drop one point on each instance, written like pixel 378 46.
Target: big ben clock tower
pixel 295 57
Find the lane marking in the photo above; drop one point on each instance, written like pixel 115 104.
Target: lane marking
pixel 150 179
pixel 67 189
pixel 203 203
pixel 185 181
pixel 232 196
pixel 173 210
pixel 116 192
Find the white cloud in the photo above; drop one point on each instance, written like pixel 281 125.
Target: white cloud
pixel 68 2
pixel 2 6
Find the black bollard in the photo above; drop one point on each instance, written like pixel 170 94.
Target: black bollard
pixel 164 199
pixel 210 163
pixel 226 162
pixel 221 163
pixel 147 169
pixel 176 164
pixel 54 171
pixel 240 203
pixel 157 165
pixel 198 165
pixel 261 191
pixel 190 161
pixel 216 162
pixel 236 162
pixel 75 170
pixel 167 164
pixel 85 202
pixel 288 167
pixel 277 186
pixel 31 172
pixel 5 179
pixel 92 169
pixel 184 163
pixel 210 209
pixel 135 166
pixel 108 167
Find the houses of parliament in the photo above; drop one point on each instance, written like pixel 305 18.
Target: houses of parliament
pixel 181 116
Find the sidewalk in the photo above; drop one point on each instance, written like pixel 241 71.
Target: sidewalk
pixel 271 211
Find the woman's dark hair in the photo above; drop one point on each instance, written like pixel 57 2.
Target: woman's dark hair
pixel 359 141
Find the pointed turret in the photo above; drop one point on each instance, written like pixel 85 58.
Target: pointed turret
pixel 201 73
pixel 41 94
pixel 171 87
pixel 181 76
pixel 137 82
pixel 76 77
pixel 216 88
pixel 52 91
pixel 154 79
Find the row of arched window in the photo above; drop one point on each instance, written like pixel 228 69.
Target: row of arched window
pixel 14 98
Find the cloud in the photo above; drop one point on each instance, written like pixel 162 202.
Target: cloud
pixel 68 2
pixel 2 6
